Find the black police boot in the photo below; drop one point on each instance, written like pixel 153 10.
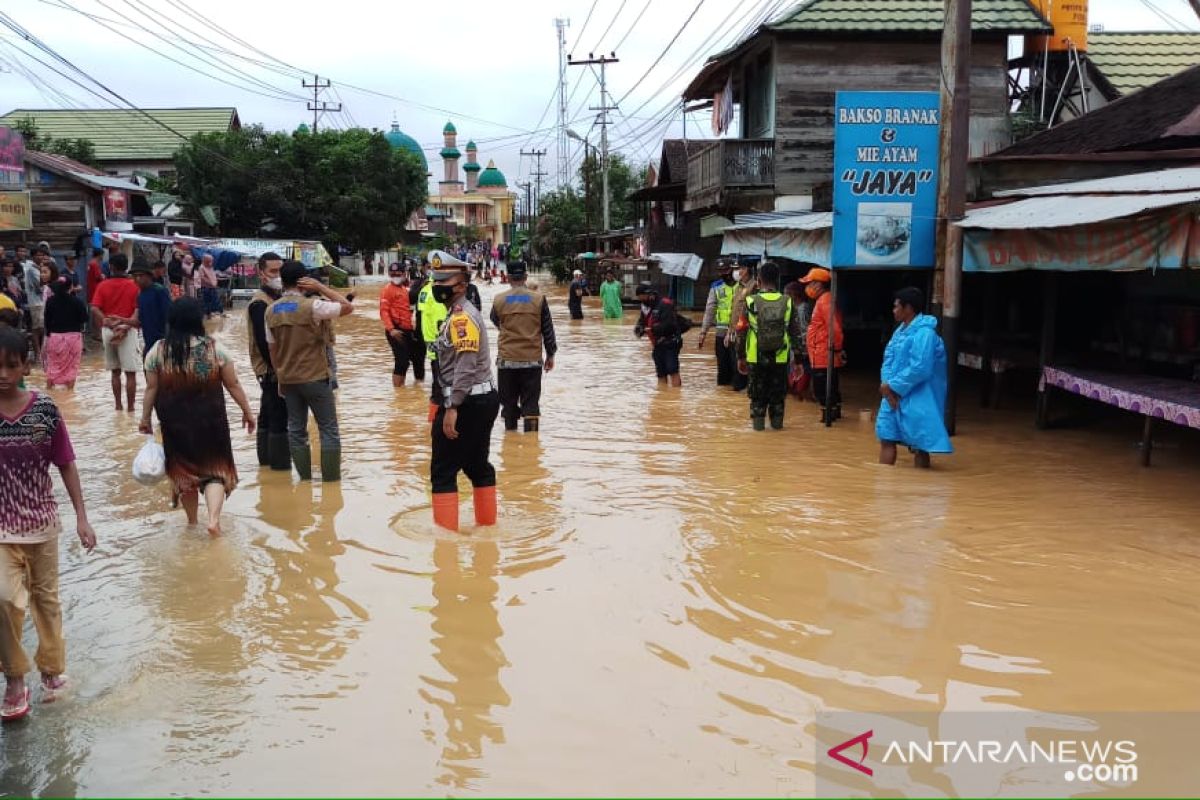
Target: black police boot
pixel 531 424
pixel 776 419
pixel 331 464
pixel 760 423
pixel 278 454
pixel 302 459
pixel 262 444
pixel 510 425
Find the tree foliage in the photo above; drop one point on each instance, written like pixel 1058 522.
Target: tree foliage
pixel 622 181
pixel 347 188
pixel 81 150
pixel 559 226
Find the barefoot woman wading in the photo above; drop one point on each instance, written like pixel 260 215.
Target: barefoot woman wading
pixel 187 374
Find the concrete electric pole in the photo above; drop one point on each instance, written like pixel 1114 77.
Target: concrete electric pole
pixel 954 146
pixel 537 175
pixel 603 122
pixel 317 105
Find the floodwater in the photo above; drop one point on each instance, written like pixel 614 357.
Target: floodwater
pixel 667 601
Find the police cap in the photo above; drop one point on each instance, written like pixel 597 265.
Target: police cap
pixel 517 269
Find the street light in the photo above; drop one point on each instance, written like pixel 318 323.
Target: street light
pixel 587 189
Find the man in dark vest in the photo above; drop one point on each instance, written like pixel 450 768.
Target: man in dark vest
pixel 523 317
pixel 272 414
pixel 299 329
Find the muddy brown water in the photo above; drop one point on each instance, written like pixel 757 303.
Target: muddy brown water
pixel 667 600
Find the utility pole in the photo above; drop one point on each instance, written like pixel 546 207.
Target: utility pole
pixel 538 174
pixel 564 157
pixel 526 185
pixel 603 108
pixel 1195 4
pixel 317 105
pixel 954 146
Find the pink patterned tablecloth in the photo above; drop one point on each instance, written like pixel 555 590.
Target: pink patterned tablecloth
pixel 1161 398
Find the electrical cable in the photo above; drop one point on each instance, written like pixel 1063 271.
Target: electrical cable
pixel 666 50
pixel 584 28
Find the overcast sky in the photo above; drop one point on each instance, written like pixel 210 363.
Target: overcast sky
pixel 490 66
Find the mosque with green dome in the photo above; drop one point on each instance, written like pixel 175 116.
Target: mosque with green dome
pixel 482 200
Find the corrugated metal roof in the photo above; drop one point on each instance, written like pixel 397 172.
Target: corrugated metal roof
pixel 1132 60
pixel 126 135
pixel 887 16
pixel 1167 180
pixel 109 182
pixel 1060 212
pixel 782 221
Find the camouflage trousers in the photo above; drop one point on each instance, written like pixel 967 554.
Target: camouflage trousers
pixel 768 388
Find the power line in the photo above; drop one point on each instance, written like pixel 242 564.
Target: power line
pixel 611 22
pixel 591 10
pixel 636 20
pixel 670 44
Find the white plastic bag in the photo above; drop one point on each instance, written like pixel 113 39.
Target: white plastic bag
pixel 150 464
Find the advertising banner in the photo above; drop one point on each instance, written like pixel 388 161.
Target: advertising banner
pixel 117 216
pixel 885 163
pixel 1153 241
pixel 12 159
pixel 16 211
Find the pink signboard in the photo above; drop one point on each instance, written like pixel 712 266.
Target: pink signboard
pixel 12 158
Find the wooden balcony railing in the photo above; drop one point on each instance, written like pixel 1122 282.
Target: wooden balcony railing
pixel 729 164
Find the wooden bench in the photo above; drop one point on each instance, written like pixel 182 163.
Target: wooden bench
pixel 1174 401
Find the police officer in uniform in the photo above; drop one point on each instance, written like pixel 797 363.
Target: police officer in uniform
pixel 523 317
pixel 272 416
pixel 462 427
pixel 431 314
pixel 718 315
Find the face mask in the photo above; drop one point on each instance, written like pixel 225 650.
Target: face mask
pixel 397 280
pixel 737 275
pixel 275 283
pixel 443 294
pixel 645 309
pixel 813 291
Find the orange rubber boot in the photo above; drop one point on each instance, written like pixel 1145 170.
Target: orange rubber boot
pixel 445 510
pixel 485 505
pixel 433 409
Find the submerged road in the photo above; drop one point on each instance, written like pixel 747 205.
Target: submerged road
pixel 667 600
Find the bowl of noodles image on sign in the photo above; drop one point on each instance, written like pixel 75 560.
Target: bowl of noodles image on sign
pixel 884 233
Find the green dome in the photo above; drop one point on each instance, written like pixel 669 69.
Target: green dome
pixel 449 128
pixel 302 128
pixel 402 141
pixel 472 166
pixel 492 177
pixel 450 152
pixel 471 145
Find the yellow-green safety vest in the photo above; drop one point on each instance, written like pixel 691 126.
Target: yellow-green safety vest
pixel 433 314
pixel 725 304
pixel 752 334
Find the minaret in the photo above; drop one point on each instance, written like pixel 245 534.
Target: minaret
pixel 472 167
pixel 450 156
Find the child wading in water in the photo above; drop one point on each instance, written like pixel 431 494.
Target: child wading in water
pixel 32 437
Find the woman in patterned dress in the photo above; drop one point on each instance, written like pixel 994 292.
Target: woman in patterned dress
pixel 187 375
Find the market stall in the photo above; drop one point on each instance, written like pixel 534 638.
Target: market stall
pixel 1138 348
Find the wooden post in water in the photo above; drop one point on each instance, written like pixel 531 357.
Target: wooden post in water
pixel 832 342
pixel 954 146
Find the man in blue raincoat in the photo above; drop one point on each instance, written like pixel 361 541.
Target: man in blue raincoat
pixel 913 386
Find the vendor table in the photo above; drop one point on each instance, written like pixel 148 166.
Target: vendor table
pixel 1154 398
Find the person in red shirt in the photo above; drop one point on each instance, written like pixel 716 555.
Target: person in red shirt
pixel 395 309
pixel 94 275
pixel 114 312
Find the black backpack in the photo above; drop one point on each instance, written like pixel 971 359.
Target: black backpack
pixel 772 320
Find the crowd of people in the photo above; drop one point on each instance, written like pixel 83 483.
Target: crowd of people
pixel 768 341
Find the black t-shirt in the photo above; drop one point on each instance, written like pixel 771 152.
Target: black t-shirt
pixel 65 314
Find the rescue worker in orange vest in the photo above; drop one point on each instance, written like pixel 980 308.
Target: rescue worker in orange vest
pixel 299 331
pixel 820 330
pixel 523 317
pixel 462 427
pixel 396 313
